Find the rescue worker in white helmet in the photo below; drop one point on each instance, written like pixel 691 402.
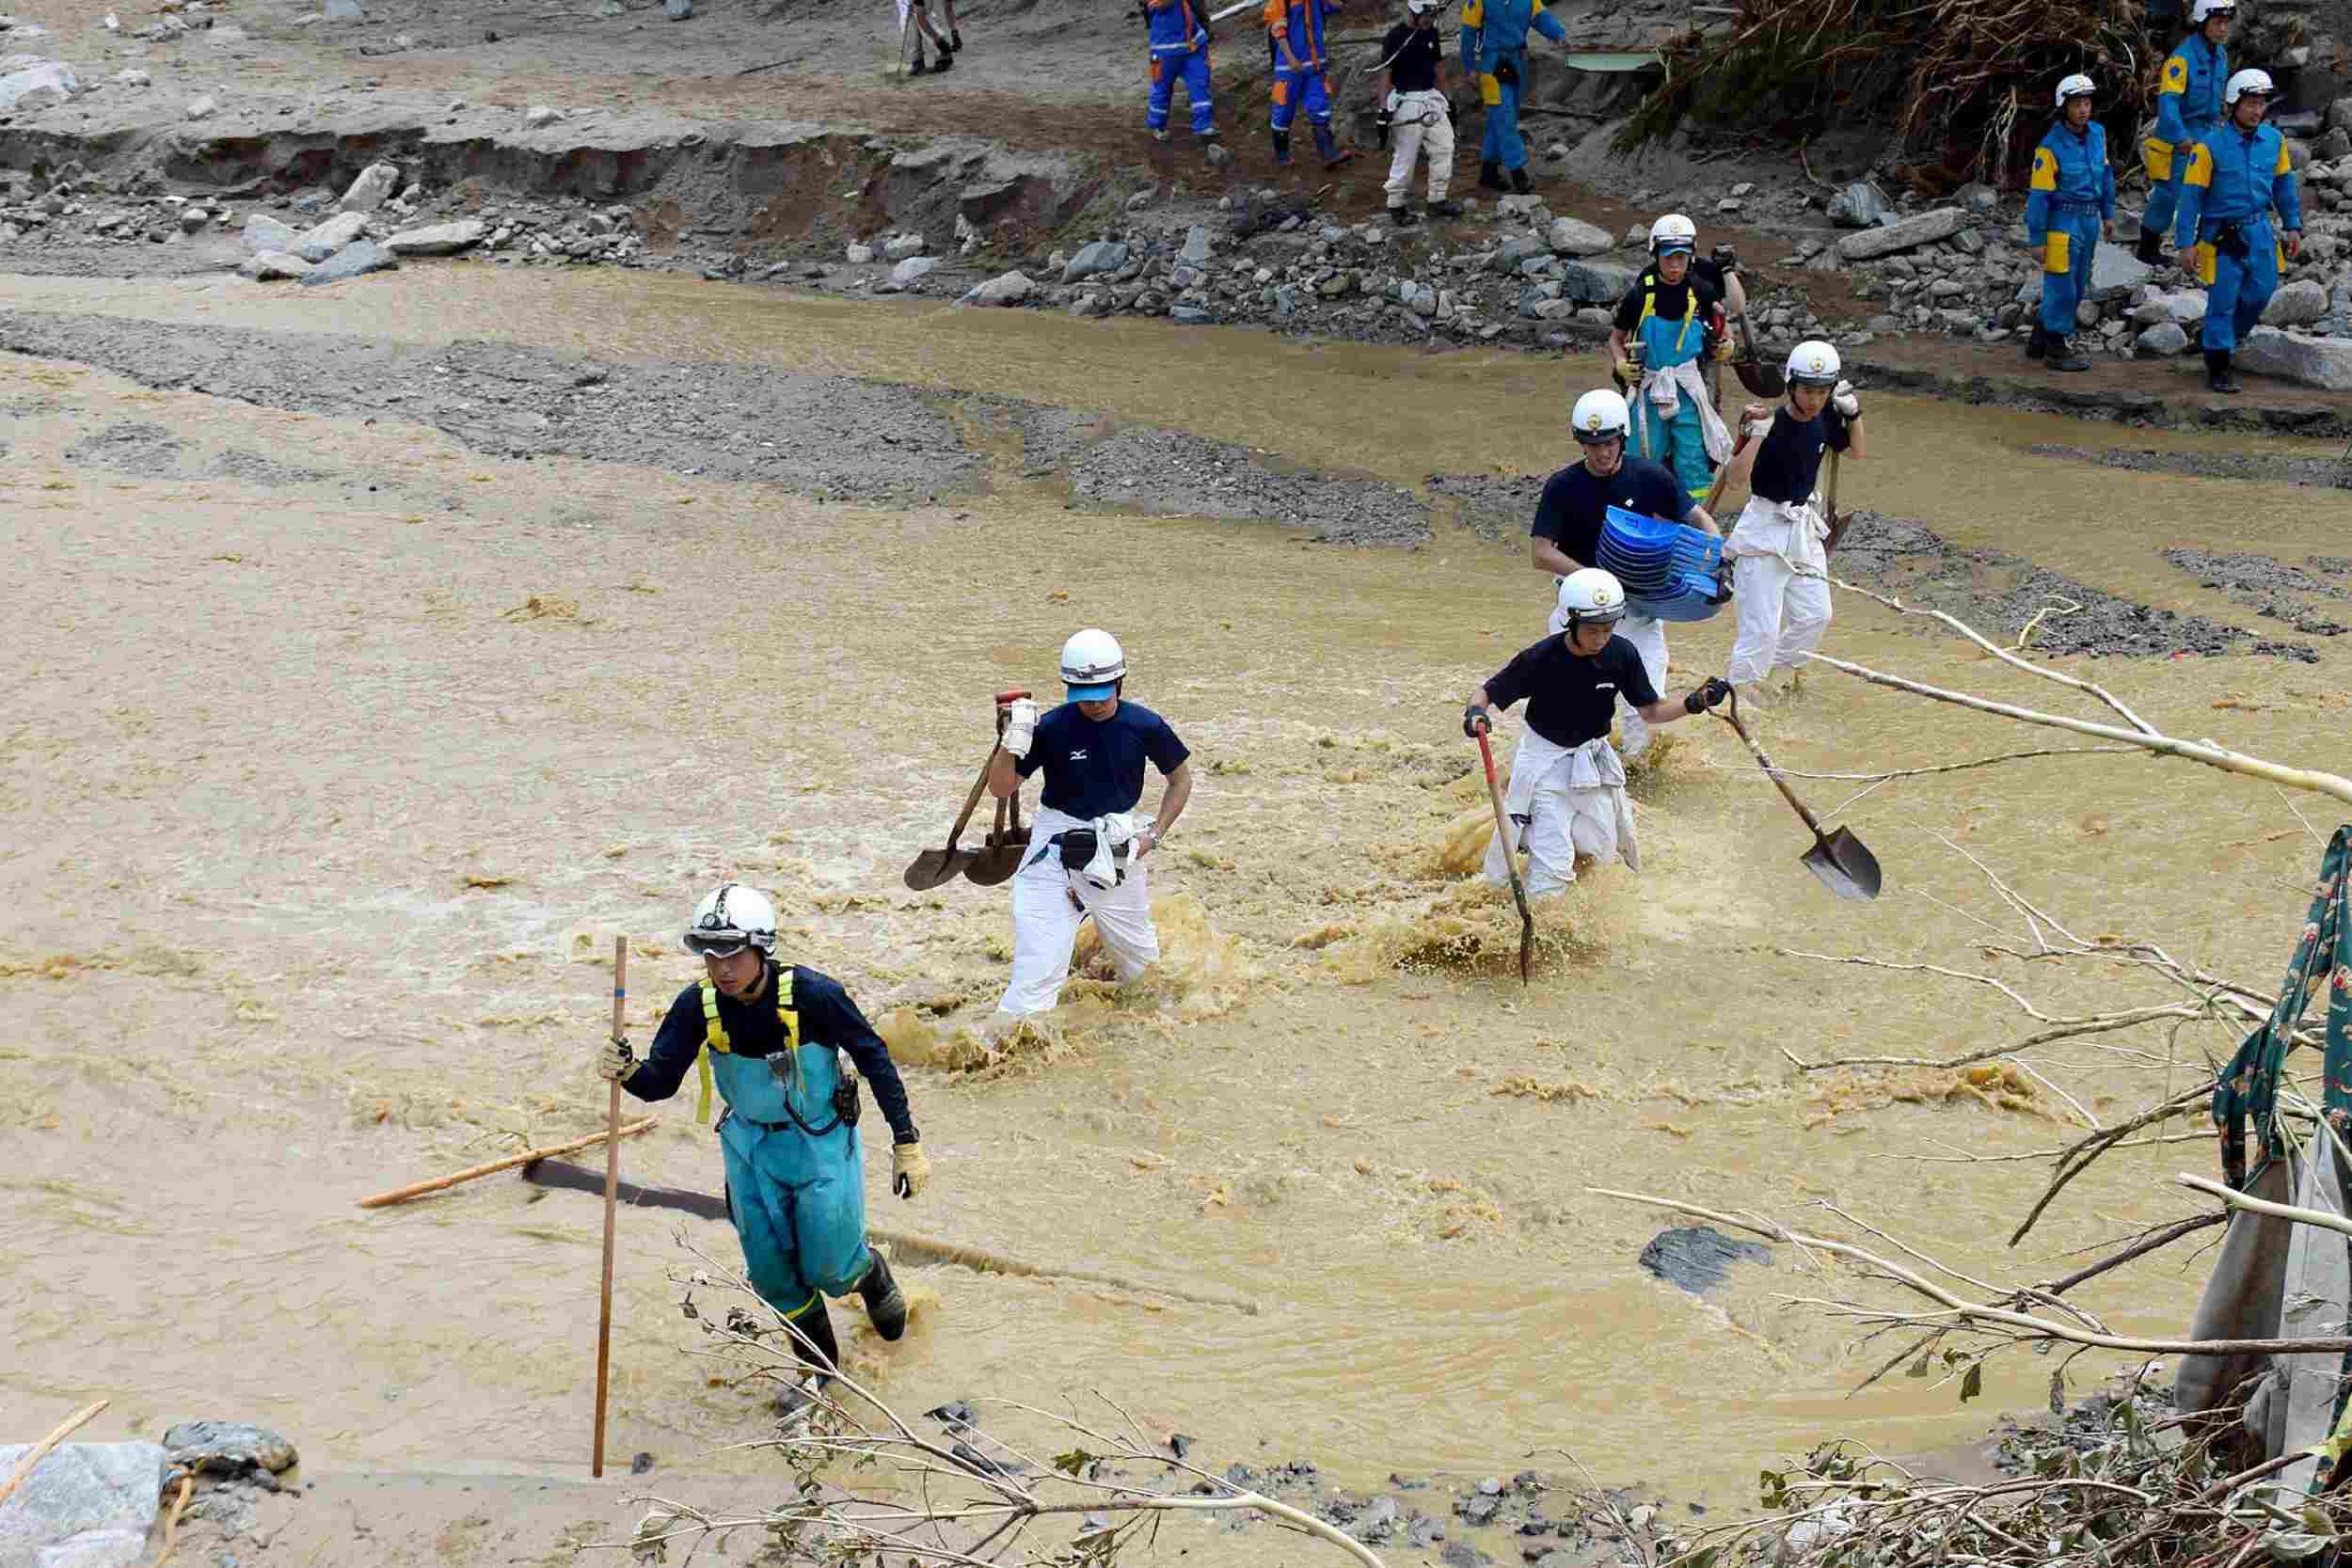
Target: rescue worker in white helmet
pixel 1566 796
pixel 2188 109
pixel 2070 207
pixel 1675 313
pixel 780 1040
pixel 2237 177
pixel 1565 535
pixel 1412 84
pixel 1087 848
pixel 1778 548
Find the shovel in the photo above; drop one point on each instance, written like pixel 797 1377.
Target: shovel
pixel 1829 501
pixel 1765 381
pixel 1511 860
pixel 1842 861
pixel 934 866
pixel 1006 846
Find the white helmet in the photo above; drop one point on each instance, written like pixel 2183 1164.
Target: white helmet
pixel 1423 8
pixel 2255 82
pixel 1600 414
pixel 1812 363
pixel 2076 86
pixel 1673 233
pixel 733 918
pixel 1592 595
pixel 2208 7
pixel 1091 665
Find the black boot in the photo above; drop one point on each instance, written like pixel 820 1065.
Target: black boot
pixel 1404 218
pixel 1329 150
pixel 1282 148
pixel 918 67
pixel 822 1354
pixel 885 1303
pixel 1491 177
pixel 2064 354
pixel 1446 209
pixel 2149 251
pixel 946 58
pixel 1520 182
pixel 2039 344
pixel 2217 374
pixel 955 41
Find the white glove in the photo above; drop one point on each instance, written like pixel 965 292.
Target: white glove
pixel 614 1060
pixel 1395 100
pixel 1845 400
pixel 1021 727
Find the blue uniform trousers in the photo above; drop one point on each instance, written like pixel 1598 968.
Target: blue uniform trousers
pixel 1502 144
pixel 1192 68
pixel 2237 289
pixel 1304 88
pixel 2070 246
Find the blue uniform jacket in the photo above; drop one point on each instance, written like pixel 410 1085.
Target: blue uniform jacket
pixel 2189 96
pixel 2232 176
pixel 2070 173
pixel 1174 28
pixel 1301 23
pixel 1503 28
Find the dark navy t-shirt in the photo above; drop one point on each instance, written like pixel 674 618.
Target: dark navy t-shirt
pixel 1571 697
pixel 1788 465
pixel 1093 770
pixel 1575 503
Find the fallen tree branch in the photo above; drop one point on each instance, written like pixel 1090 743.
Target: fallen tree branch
pixel 418 1189
pixel 2236 1200
pixel 40 1450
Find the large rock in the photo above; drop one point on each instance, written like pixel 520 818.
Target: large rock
pixel 2307 361
pixel 342 10
pixel 898 247
pixel 2163 338
pixel 38 86
pixel 2115 271
pixel 912 270
pixel 1904 234
pixel 351 261
pixel 2340 112
pixel 233 1448
pixel 1510 255
pixel 1195 249
pixel 272 266
pixel 265 234
pixel 330 236
pixel 90 1505
pixel 1859 206
pixel 2297 304
pixel 1010 288
pixel 1594 282
pixel 1698 1257
pixel 375 187
pixel 1093 260
pixel 1574 237
pixel 439 239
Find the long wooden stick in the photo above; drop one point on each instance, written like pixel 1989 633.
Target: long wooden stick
pixel 41 1449
pixel 2236 1200
pixel 612 1199
pixel 402 1194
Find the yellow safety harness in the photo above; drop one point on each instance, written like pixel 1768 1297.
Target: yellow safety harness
pixel 1649 308
pixel 715 1034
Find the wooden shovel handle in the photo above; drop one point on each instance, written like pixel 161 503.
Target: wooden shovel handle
pixel 612 1201
pixel 1771 771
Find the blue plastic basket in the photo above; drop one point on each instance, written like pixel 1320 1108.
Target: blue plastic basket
pixel 1670 571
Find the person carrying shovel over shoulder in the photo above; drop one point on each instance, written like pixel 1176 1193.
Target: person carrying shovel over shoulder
pixel 1088 846
pixel 775 1035
pixel 1779 547
pixel 1566 793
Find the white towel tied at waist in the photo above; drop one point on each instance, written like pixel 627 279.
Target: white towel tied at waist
pixel 1664 388
pixel 1794 530
pixel 1594 765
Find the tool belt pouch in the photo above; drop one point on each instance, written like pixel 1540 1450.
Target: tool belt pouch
pixel 2230 240
pixel 846 1103
pixel 1077 849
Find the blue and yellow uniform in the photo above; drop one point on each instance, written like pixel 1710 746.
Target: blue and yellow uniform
pixel 2188 109
pixel 2071 196
pixel 2234 182
pixel 795 1187
pixel 1501 28
pixel 1300 25
pixel 1179 50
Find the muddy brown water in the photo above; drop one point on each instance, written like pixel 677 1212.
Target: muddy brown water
pixel 320 829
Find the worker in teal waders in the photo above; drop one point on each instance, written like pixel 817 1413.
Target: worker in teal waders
pixel 1677 315
pixel 776 1036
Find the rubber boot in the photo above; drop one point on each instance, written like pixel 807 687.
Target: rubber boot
pixel 918 67
pixel 1329 150
pixel 2217 374
pixel 1446 209
pixel 946 58
pixel 2067 355
pixel 1404 218
pixel 2149 251
pixel 955 41
pixel 1491 177
pixel 1159 134
pixel 2039 344
pixel 1520 182
pixel 821 1355
pixel 1282 148
pixel 885 1303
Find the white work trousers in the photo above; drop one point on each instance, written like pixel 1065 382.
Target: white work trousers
pixel 1649 637
pixel 1045 923
pixel 1782 617
pixel 1410 137
pixel 1573 802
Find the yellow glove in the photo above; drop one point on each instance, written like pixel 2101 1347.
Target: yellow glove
pixel 1490 90
pixel 1627 371
pixel 909 1169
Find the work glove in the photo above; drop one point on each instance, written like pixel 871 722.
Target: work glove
pixel 1506 74
pixel 1627 371
pixel 1474 720
pixel 1846 400
pixel 614 1060
pixel 1390 102
pixel 1707 695
pixel 910 1170
pixel 1020 726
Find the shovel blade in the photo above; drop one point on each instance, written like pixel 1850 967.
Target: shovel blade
pixel 1762 380
pixel 934 866
pixel 1845 866
pixel 996 863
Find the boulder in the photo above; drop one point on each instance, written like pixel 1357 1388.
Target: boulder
pixel 912 270
pixel 374 186
pixel 2339 114
pixel 263 232
pixel 351 261
pixel 1595 282
pixel 271 266
pixel 858 255
pixel 90 1505
pixel 1009 288
pixel 330 236
pixel 342 10
pixel 1190 315
pixel 439 239
pixel 38 86
pixel 677 11
pixel 1100 257
pixel 2307 361
pixel 898 247
pixel 1860 205
pixel 233 1448
pixel 1698 1257
pixel 2163 338
pixel 1572 237
pixel 1195 249
pixel 2116 272
pixel 201 107
pixel 1091 304
pixel 2297 304
pixel 1904 234
pixel 1516 250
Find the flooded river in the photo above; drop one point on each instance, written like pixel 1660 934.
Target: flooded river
pixel 321 826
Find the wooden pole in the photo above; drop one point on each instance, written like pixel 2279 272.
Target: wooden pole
pixel 41 1449
pixel 402 1194
pixel 612 1199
